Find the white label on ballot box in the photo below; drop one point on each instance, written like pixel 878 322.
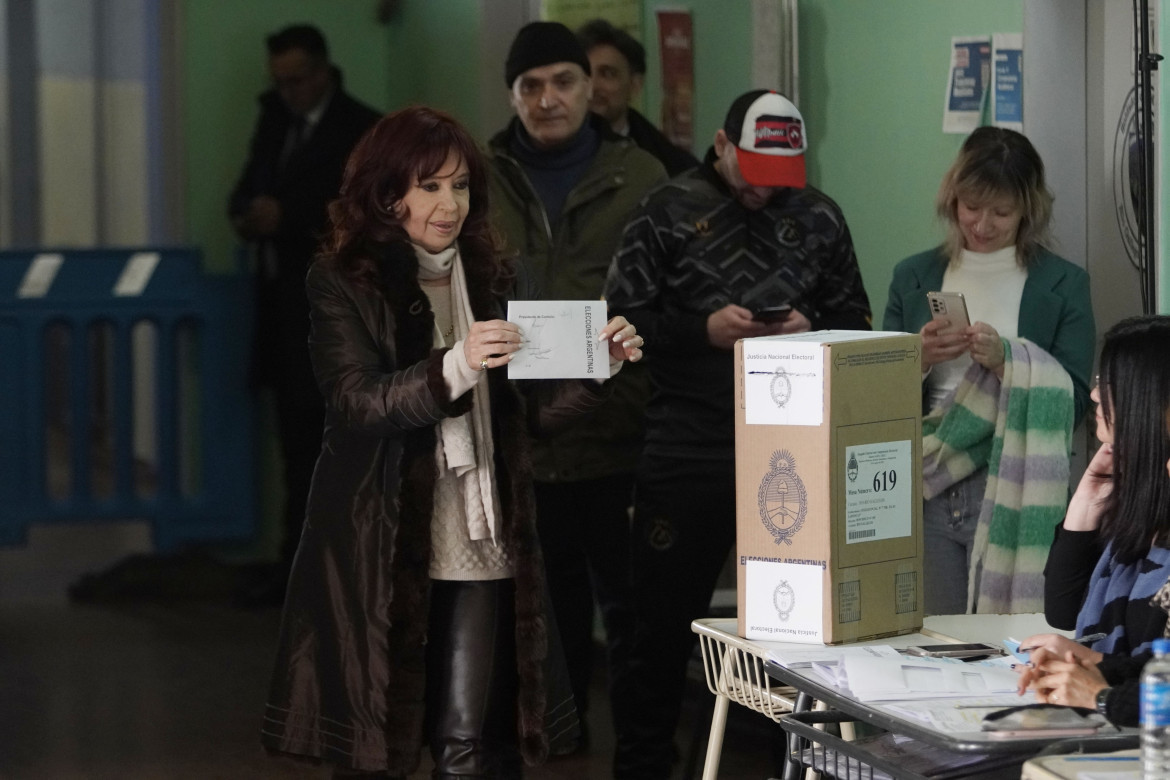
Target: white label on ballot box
pixel 783 382
pixel 877 491
pixel 784 602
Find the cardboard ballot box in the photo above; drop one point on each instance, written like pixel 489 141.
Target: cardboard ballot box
pixel 828 460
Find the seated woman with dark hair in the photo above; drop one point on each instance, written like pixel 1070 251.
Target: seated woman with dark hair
pixel 1110 562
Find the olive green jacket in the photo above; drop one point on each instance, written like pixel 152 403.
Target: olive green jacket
pixel 569 261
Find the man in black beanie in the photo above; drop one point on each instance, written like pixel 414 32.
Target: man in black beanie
pixel 563 185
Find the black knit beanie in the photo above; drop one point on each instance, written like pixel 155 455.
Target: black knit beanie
pixel 543 43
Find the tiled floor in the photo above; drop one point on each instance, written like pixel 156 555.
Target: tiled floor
pixel 132 692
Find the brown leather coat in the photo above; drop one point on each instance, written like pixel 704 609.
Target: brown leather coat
pixel 349 682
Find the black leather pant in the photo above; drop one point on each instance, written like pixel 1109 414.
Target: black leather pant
pixel 471 680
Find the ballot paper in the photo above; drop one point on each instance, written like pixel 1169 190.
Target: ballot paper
pixel 884 679
pixel 881 673
pixel 803 659
pixel 560 340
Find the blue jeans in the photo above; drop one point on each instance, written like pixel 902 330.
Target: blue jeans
pixel 948 525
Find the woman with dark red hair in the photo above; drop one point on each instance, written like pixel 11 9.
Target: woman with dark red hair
pixel 416 605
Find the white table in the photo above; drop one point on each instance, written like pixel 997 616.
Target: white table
pixel 735 668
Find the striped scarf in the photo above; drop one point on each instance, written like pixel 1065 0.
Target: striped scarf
pixel 1112 591
pixel 1020 428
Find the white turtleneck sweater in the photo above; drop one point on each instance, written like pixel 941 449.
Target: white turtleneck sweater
pixel 992 284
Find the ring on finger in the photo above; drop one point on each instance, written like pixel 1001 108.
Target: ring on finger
pixel 483 363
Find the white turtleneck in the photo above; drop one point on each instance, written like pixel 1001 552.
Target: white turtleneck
pixel 435 267
pixel 992 284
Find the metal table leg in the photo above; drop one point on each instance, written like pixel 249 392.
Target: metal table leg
pixel 715 740
pixel 792 768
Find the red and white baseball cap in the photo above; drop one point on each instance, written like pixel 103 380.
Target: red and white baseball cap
pixel 768 133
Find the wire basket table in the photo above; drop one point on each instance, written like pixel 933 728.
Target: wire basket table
pixel 885 756
pixel 734 670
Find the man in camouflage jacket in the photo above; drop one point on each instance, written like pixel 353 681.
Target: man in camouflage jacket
pixel 710 257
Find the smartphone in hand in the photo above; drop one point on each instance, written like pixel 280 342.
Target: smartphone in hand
pixel 772 313
pixel 950 306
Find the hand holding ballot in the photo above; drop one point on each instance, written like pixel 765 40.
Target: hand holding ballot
pixel 624 341
pixel 563 340
pixel 491 343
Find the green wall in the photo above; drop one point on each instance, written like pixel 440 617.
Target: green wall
pixel 225 68
pixel 872 76
pixel 872 80
pixel 434 56
pixel 723 61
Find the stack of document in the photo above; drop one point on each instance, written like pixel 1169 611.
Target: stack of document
pixel 804 659
pixel 878 679
pixel 881 673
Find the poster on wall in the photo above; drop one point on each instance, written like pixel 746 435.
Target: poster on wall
pixel 966 83
pixel 676 48
pixel 623 14
pixel 1007 92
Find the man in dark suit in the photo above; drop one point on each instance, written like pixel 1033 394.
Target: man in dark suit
pixel 618 63
pixel 307 127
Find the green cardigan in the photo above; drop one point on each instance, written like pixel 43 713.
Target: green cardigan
pixel 1056 313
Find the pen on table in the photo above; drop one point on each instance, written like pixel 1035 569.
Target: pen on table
pixel 1087 639
pixel 1102 758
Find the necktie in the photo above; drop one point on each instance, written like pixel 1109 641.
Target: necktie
pixel 294 139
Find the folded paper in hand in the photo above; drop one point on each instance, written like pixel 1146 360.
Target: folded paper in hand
pixel 560 340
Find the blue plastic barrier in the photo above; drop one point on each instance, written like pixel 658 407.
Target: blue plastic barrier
pixel 68 345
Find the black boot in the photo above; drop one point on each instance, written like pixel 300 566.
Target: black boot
pixel 471 680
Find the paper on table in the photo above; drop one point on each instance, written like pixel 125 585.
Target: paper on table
pixel 560 340
pixel 877 679
pixel 797 659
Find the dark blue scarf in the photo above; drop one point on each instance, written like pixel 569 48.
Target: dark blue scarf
pixel 1112 587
